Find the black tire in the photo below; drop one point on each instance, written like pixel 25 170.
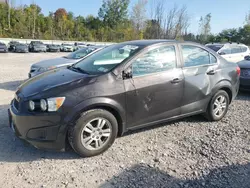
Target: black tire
pixel 209 113
pixel 75 132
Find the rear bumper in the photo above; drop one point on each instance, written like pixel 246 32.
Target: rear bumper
pixel 245 84
pixel 43 132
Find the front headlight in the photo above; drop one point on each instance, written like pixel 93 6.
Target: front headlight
pixel 44 69
pixel 32 105
pixel 43 105
pixel 50 105
pixel 55 103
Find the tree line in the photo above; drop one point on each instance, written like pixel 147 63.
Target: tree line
pixel 114 23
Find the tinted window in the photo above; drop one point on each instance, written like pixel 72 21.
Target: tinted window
pixel 214 47
pixel 195 56
pixel 244 49
pixel 156 60
pixel 236 50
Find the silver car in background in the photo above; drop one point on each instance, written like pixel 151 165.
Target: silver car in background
pixel 70 59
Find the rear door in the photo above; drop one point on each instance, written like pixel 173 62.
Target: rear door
pixel 200 69
pixel 155 91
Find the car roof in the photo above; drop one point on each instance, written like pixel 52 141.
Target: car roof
pixel 155 41
pixel 227 43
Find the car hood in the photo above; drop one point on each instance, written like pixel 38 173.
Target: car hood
pixel 245 64
pixel 49 80
pixel 55 62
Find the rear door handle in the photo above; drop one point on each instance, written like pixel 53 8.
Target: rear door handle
pixel 176 80
pixel 211 72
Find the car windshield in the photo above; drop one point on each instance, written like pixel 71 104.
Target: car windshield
pixel 67 44
pixel 80 53
pixel 105 60
pixel 214 47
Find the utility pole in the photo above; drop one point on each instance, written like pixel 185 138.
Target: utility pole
pixel 9 8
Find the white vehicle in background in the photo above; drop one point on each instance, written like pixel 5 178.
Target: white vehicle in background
pixel 232 52
pixel 79 45
pixel 67 47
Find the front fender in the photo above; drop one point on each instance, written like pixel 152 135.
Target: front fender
pixel 99 102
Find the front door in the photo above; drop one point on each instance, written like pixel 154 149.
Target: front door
pixel 156 89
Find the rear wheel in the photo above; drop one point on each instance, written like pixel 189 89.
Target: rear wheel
pixel 218 106
pixel 94 132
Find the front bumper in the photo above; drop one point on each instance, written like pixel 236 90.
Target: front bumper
pixel 3 50
pixel 44 131
pixel 68 50
pixel 245 83
pixel 22 50
pixel 53 50
pixel 39 50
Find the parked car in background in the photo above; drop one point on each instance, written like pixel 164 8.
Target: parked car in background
pixel 37 46
pixel 12 46
pixel 70 59
pixel 67 47
pixel 79 45
pixel 245 74
pixel 53 48
pixel 119 88
pixel 232 52
pixel 21 48
pixel 3 47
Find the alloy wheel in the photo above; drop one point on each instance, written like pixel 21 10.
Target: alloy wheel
pixel 219 106
pixel 96 133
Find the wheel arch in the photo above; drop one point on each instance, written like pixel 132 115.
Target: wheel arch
pixel 226 86
pixel 100 103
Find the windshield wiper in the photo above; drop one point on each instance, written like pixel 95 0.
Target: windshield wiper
pixel 79 69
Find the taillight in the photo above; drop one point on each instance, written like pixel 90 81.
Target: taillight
pixel 238 71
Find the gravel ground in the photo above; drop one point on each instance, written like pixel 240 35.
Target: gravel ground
pixel 187 153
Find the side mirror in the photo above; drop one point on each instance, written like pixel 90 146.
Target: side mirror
pixel 222 53
pixel 247 57
pixel 126 74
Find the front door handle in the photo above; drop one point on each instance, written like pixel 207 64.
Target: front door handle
pixel 176 81
pixel 211 72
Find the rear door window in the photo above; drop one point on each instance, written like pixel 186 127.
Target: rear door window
pixel 236 50
pixel 195 56
pixel 226 51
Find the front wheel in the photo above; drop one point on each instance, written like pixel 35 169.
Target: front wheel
pixel 218 106
pixel 94 132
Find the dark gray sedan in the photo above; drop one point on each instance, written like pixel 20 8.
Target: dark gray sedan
pixel 21 48
pixel 123 87
pixel 70 59
pixel 245 74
